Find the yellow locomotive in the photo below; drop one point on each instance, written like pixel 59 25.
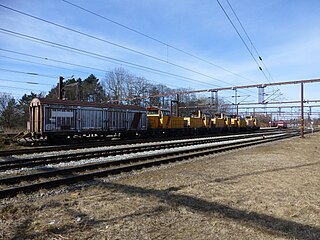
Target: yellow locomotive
pixel 162 121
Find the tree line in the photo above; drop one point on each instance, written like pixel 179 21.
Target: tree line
pixel 118 87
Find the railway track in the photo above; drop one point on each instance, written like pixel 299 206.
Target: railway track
pixel 105 143
pixel 15 163
pixel 54 177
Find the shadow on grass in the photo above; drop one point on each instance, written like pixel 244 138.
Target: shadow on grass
pixel 257 220
pixel 272 225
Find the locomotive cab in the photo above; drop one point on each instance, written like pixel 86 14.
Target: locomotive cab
pixel 195 121
pixel 162 118
pixel 153 115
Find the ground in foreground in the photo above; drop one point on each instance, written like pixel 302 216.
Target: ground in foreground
pixel 266 192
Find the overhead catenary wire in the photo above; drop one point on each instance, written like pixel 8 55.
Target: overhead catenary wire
pixel 63 62
pixel 78 65
pixel 244 43
pixel 50 59
pixel 100 56
pixel 251 43
pixel 88 35
pixel 27 82
pixel 45 58
pixel 21 88
pixel 114 44
pixel 167 45
pixel 29 89
pixel 247 35
pixel 43 64
pixel 29 73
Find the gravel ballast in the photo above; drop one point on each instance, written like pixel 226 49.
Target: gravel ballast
pixel 266 192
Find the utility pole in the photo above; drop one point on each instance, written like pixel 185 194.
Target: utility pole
pixel 60 88
pixel 176 102
pixel 261 94
pixel 236 101
pixel 216 101
pixel 302 113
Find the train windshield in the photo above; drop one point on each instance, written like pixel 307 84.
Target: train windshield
pixel 153 112
pixel 166 113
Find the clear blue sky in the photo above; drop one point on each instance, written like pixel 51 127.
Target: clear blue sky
pixel 286 33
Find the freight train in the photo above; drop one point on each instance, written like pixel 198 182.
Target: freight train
pixel 55 120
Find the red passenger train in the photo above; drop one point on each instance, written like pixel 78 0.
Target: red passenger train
pixel 281 124
pixel 278 124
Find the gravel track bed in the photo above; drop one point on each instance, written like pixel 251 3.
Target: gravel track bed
pixel 263 192
pixel 48 167
pixel 91 149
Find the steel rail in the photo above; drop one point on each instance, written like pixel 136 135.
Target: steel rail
pixel 104 143
pixel 118 166
pixel 40 161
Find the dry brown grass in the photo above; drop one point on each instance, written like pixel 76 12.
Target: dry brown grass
pixel 267 192
pixel 7 143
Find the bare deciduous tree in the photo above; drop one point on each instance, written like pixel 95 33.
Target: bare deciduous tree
pixel 114 82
